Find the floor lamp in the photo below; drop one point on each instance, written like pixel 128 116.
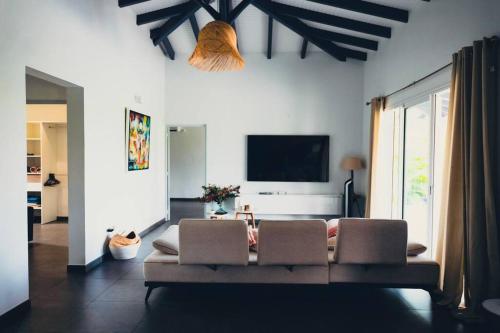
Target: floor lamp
pixel 350 164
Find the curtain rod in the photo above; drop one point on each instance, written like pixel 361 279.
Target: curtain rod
pixel 417 81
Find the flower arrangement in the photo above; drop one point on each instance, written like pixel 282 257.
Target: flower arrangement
pixel 218 194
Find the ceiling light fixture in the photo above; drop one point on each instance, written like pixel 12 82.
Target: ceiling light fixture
pixel 217 49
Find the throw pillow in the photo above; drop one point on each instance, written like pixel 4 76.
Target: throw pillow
pixel 253 237
pixel 168 242
pixel 332 241
pixel 414 249
pixel 332 232
pixel 332 223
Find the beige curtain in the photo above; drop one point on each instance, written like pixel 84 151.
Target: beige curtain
pixel 469 240
pixel 377 105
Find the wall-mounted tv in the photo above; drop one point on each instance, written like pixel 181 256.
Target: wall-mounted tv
pixel 288 158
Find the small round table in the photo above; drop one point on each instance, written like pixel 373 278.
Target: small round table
pixel 247 214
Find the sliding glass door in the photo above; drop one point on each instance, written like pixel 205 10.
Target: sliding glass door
pixel 409 175
pixel 417 171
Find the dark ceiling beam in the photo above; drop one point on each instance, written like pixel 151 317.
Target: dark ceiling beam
pixel 125 3
pixel 355 54
pixel 215 15
pixel 194 26
pixel 233 24
pixel 238 10
pixel 337 21
pixel 167 48
pixel 173 23
pixel 162 14
pixel 269 36
pixel 369 8
pixel 303 49
pixel 345 39
pixel 224 9
pixel 301 29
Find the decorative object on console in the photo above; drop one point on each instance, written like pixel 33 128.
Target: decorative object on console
pixel 217 49
pixel 138 138
pixel 52 181
pixel 351 163
pixel 214 193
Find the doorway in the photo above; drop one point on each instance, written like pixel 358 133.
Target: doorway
pixel 54 179
pixel 186 156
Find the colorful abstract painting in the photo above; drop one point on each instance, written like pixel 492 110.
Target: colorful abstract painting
pixel 139 132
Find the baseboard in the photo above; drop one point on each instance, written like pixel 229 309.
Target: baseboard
pixel 13 313
pixel 185 199
pixel 62 219
pixel 152 227
pixel 85 268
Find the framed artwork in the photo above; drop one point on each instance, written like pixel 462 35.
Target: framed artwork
pixel 138 140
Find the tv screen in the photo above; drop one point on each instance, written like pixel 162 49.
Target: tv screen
pixel 288 158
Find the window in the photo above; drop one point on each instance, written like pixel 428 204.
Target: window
pixel 408 179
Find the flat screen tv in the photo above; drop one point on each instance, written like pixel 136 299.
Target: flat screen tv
pixel 288 158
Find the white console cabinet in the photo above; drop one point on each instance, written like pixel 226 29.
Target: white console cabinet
pixel 292 204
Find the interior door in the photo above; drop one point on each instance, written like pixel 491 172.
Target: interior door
pixel 167 173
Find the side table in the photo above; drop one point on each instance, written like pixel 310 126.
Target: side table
pixel 249 216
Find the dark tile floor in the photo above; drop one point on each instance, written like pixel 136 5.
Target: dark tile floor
pixel 111 299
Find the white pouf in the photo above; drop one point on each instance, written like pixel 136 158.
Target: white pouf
pixel 125 252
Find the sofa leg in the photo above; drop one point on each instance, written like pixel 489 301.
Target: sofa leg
pixel 148 293
pixel 435 293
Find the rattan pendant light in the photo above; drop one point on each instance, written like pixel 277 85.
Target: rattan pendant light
pixel 217 50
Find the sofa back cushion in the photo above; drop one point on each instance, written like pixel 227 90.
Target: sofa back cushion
pixel 213 242
pixel 301 242
pixel 371 241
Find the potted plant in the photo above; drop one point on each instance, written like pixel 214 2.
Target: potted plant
pixel 218 194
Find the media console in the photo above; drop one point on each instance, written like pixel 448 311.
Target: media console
pixel 292 204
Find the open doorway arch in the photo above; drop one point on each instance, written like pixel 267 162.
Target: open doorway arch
pixel 75 165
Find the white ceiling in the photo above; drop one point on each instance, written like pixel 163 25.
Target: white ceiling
pixel 251 25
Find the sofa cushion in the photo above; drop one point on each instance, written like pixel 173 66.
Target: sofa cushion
pixel 414 249
pixel 417 271
pixel 371 242
pixel 291 243
pixel 213 242
pixel 168 242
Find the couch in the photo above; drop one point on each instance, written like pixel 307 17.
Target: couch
pixel 367 251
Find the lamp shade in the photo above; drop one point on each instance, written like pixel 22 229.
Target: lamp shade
pixel 352 163
pixel 217 50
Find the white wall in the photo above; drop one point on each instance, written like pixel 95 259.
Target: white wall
pixel 187 162
pixel 285 95
pixel 426 43
pixel 98 46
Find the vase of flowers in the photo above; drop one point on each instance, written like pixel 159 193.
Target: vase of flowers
pixel 218 194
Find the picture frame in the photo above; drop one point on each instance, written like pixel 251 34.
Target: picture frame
pixel 138 140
